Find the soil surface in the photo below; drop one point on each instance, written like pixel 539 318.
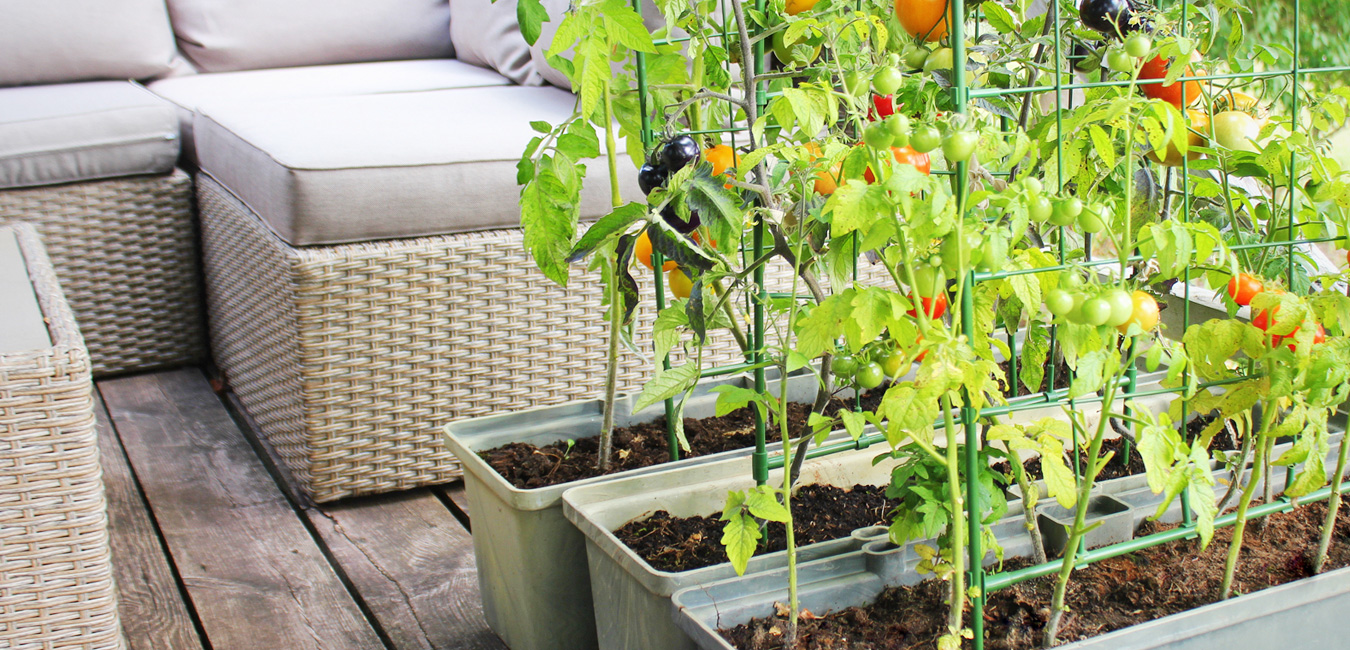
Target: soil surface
pixel 820 513
pixel 1061 378
pixel 527 466
pixel 1117 468
pixel 1106 596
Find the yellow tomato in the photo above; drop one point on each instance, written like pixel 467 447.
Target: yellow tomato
pixel 679 283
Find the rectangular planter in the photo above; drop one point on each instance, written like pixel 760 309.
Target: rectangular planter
pixel 531 561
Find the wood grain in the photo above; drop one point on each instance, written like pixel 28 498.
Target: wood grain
pixel 256 577
pixel 154 616
pixel 413 564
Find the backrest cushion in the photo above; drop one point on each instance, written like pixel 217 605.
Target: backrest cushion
pixel 221 36
pixel 486 34
pixel 60 41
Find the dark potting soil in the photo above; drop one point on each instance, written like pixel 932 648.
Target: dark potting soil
pixel 528 466
pixel 820 513
pixel 1106 596
pixel 1118 468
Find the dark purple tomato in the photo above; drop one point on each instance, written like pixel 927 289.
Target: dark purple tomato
pixel 684 227
pixel 679 152
pixel 651 177
pixel 1110 17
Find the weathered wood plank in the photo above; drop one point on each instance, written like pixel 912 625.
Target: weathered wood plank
pixel 413 564
pixel 256 577
pixel 458 501
pixel 154 616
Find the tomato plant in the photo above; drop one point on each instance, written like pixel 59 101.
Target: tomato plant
pixel 1157 68
pixel 1243 287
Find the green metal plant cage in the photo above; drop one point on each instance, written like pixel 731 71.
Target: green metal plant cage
pixel 963 97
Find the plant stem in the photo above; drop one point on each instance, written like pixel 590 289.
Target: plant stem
pixel 1333 508
pixel 1238 470
pixel 615 298
pixel 1235 546
pixel 1028 513
pixel 955 532
pixel 1080 512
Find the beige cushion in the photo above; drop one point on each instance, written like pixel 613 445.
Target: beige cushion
pixel 58 41
pixel 249 34
pixel 193 92
pixel 486 34
pixel 22 329
pixel 396 165
pixel 76 132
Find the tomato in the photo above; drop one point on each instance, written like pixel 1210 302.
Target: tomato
pixel 925 19
pixel 869 375
pixel 932 307
pixel 959 146
pixel 1261 319
pixel 679 152
pixel 929 280
pixel 1236 130
pixel 680 284
pixel 887 80
pixel 651 177
pixel 1110 17
pixel 925 138
pixel 1122 306
pixel 1093 218
pixel 1242 288
pixel 1095 311
pixel 843 365
pixel 1070 280
pixel 877 136
pixel 942 58
pixel 826 181
pixel 1119 60
pixel 1059 302
pixel 1145 313
pixel 642 250
pixel 915 56
pixel 722 158
pixel 1067 211
pixel 883 106
pixel 905 156
pixel 898 125
pixel 1039 208
pixel 1234 100
pixel 892 364
pixel 1138 45
pixel 795 7
pixel 1199 121
pixel 788 53
pixel 1032 185
pixel 1156 68
pixel 1319 337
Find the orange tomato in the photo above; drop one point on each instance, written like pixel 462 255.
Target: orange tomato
pixel 1157 68
pixel 722 159
pixel 1198 121
pixel 927 19
pixel 906 156
pixel 643 250
pixel 826 181
pixel 795 7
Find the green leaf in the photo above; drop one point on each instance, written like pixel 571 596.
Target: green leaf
pixel 740 536
pixel 1103 145
pixel 1035 352
pixel 667 384
pixel 593 59
pixel 666 331
pixel 1059 479
pixel 548 214
pixel 611 224
pixel 625 25
pixel 1158 445
pixel 1204 504
pixel 999 18
pixel 730 398
pixel 675 246
pixel 541 126
pixel 763 503
pixel 855 205
pixel 530 15
pixel 716 204
pixel 853 422
pixel 1311 477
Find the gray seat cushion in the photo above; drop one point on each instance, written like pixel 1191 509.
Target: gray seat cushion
pixel 350 169
pixel 250 34
pixel 86 131
pixel 22 328
pixel 193 92
pixel 60 41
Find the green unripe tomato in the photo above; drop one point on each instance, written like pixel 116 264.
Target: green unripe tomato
pixel 1138 45
pixel 1122 306
pixel 935 260
pixel 940 59
pixel 870 375
pixel 877 136
pixel 929 281
pixel 1067 211
pixel 843 366
pixel 887 80
pixel 1032 185
pixel 1039 208
pixel 1070 280
pixel 893 364
pixel 959 146
pixel 1093 219
pixel 856 83
pixel 924 138
pixel 951 252
pixel 915 56
pixel 898 125
pixel 1059 302
pixel 1118 60
pixel 1095 311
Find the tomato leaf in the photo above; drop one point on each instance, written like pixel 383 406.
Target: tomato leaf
pixel 548 215
pixel 762 502
pixel 530 15
pixel 666 331
pixel 740 535
pixel 731 397
pixel 628 289
pixel 624 24
pixel 667 384
pixel 608 225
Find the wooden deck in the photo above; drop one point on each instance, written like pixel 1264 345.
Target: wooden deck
pixel 213 552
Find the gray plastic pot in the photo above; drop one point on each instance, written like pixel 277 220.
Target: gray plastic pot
pixel 531 561
pixel 632 607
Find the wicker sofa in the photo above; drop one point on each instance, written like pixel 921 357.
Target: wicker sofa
pixel 354 173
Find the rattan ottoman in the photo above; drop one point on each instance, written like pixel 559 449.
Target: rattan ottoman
pixel 56 583
pixel 125 251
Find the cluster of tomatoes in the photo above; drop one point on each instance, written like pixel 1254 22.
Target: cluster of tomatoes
pixel 672 156
pixel 871 366
pixel 1076 302
pixel 1243 288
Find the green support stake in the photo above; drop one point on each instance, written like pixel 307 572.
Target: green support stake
pixel 760 460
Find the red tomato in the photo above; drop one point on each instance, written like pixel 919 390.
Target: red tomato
pixel 883 106
pixel 1243 287
pixel 1157 68
pixel 1319 337
pixel 932 307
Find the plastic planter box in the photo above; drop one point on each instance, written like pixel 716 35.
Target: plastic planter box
pixel 531 561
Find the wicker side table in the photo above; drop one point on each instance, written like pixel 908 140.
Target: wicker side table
pixel 56 583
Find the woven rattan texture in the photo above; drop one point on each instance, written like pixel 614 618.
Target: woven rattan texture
pixel 351 358
pixel 56 584
pixel 125 251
